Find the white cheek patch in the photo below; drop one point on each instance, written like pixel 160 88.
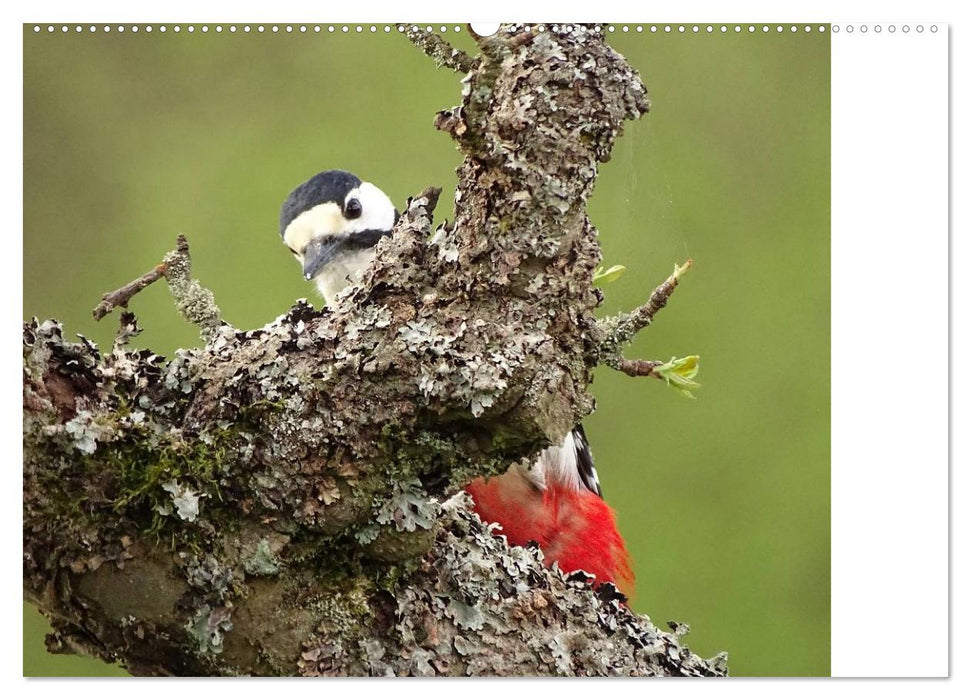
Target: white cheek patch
pixel 322 220
pixel 377 211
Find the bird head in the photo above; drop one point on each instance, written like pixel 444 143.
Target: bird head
pixel 331 224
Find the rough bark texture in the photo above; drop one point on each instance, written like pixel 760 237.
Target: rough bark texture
pixel 281 501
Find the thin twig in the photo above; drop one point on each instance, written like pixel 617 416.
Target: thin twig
pixel 121 297
pixel 637 368
pixel 442 52
pixel 617 331
pixel 642 316
pixel 196 303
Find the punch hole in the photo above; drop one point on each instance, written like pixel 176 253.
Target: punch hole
pixel 934 28
pixel 485 28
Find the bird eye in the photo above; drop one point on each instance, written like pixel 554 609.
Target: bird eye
pixel 352 209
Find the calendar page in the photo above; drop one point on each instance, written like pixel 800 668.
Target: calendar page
pixel 524 349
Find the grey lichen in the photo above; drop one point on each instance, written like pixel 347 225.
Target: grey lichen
pixel 208 628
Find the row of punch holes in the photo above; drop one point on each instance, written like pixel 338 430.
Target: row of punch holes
pixel 388 28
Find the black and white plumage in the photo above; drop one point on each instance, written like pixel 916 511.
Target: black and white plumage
pixel 331 223
pixel 570 465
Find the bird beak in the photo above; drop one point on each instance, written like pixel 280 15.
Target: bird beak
pixel 318 253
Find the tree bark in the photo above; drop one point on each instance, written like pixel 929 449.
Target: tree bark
pixel 287 500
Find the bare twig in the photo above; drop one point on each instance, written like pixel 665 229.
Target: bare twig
pixel 442 52
pixel 617 331
pixel 637 368
pixel 121 297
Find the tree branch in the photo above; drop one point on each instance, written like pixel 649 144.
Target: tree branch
pixel 281 501
pixel 438 48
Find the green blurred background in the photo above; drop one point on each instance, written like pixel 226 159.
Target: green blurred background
pixel 724 500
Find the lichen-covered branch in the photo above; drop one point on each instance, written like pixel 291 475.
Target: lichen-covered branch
pixel 196 303
pixel 438 48
pixel 282 500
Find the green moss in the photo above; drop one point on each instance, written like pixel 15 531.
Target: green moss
pixel 141 473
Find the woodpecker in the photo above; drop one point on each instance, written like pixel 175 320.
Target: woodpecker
pixel 331 224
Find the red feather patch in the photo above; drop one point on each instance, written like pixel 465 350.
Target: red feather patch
pixel 574 528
